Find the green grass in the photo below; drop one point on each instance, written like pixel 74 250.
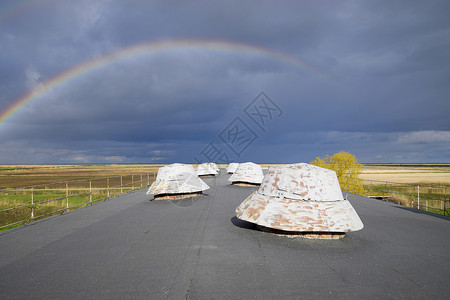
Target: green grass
pixel 436 198
pixel 47 204
pixel 51 183
pixel 21 204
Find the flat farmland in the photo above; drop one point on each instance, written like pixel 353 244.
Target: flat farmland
pixel 32 192
pixel 424 186
pixel 434 174
pixel 14 176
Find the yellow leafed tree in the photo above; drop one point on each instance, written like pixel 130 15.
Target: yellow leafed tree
pixel 347 170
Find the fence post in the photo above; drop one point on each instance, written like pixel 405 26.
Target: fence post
pixel 141 179
pixel 418 197
pixel 445 199
pixel 148 179
pixel 107 187
pixel 90 191
pixel 121 185
pixel 32 203
pixel 67 195
pixel 132 181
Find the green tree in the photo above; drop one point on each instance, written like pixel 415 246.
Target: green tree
pixel 347 170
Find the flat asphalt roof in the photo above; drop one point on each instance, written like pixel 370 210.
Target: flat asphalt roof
pixel 136 248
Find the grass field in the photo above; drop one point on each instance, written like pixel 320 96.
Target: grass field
pixel 410 173
pixel 42 190
pixel 31 192
pixel 13 176
pixel 424 186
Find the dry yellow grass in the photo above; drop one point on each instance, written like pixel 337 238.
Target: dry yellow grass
pixel 13 176
pixel 26 175
pixel 408 174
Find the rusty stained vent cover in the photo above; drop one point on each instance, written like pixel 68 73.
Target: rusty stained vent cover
pixel 232 168
pixel 247 173
pixel 300 198
pixel 207 169
pixel 177 179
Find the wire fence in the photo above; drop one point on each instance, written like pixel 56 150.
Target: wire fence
pixel 19 206
pixel 432 198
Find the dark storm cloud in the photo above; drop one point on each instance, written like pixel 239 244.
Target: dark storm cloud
pixel 386 89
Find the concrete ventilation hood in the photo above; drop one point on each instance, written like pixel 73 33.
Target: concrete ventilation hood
pixel 247 174
pixel 300 199
pixel 177 181
pixel 207 169
pixel 232 168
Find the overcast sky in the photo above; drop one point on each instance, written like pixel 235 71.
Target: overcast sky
pixel 262 81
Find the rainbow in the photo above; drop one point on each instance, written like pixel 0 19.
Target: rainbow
pixel 152 48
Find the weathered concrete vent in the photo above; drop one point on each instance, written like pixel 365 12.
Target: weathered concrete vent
pixel 232 168
pixel 207 169
pixel 300 199
pixel 247 173
pixel 177 181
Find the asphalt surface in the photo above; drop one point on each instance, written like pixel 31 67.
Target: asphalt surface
pixel 133 247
